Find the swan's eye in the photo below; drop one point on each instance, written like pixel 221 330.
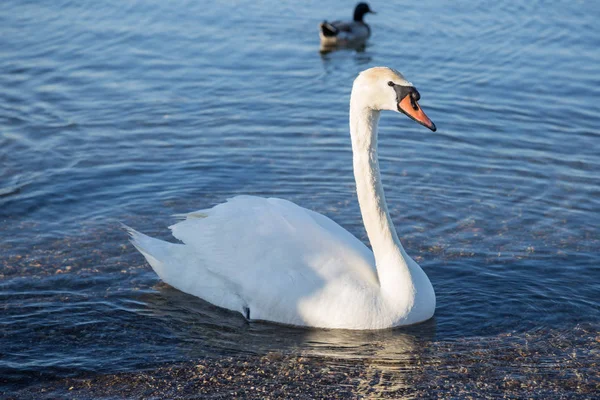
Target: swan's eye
pixel 390 83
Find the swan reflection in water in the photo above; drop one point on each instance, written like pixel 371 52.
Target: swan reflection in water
pixel 198 329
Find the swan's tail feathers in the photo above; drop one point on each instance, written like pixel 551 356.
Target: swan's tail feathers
pixel 328 30
pixel 157 252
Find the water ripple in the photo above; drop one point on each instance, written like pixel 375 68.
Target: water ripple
pixel 133 111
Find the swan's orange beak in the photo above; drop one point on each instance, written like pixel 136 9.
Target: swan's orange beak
pixel 409 106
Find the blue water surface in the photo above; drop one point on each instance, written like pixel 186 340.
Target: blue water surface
pixel 133 111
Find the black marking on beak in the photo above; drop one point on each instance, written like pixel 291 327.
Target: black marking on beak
pixel 403 91
pixel 406 103
pixel 413 103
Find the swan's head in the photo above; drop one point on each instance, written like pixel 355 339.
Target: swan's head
pixel 383 88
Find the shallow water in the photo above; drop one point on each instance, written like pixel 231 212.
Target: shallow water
pixel 133 111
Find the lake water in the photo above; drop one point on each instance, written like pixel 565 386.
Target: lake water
pixel 133 111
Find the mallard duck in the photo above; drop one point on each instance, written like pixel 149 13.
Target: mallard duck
pixel 343 33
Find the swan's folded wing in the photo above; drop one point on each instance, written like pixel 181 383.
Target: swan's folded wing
pixel 271 247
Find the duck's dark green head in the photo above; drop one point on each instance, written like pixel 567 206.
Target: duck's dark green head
pixel 360 11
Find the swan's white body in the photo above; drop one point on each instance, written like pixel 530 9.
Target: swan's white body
pixel 272 260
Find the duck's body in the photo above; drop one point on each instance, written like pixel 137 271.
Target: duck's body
pixel 343 33
pixel 270 259
pixel 346 33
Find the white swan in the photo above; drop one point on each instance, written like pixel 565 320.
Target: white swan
pixel 272 260
pixel 346 33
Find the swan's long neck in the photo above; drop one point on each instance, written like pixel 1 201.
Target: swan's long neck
pixel 391 259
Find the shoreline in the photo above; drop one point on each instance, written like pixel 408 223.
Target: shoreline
pixel 511 372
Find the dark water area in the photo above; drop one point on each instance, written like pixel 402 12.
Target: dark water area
pixel 133 111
